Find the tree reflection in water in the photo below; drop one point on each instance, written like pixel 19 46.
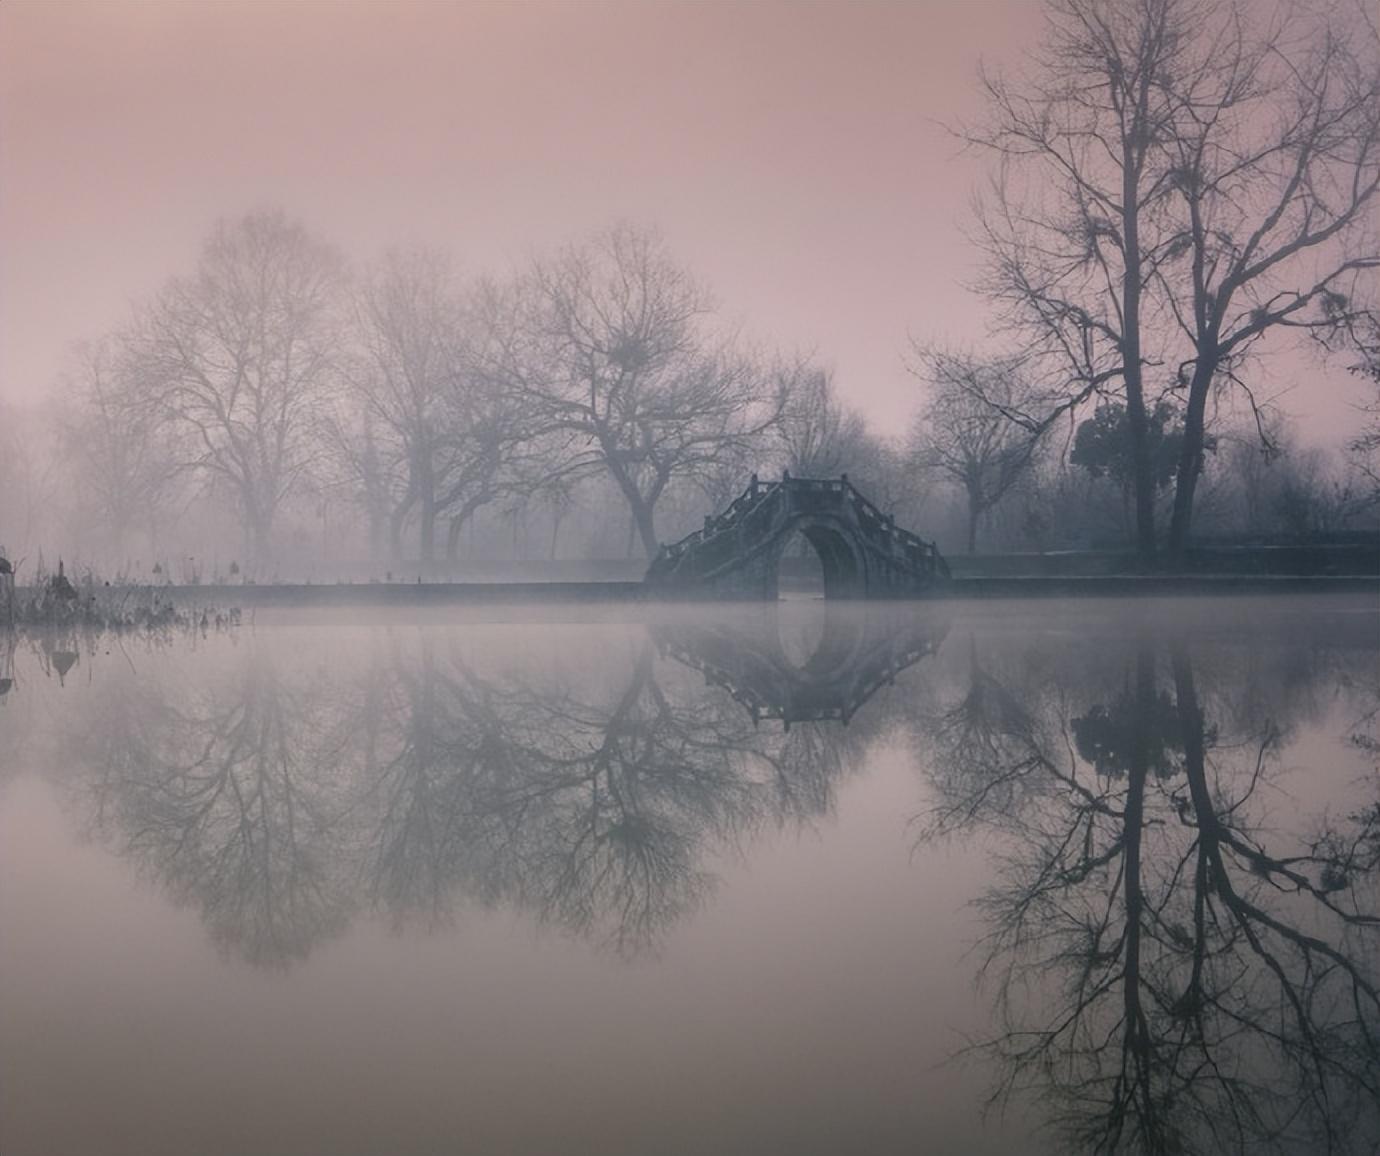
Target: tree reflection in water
pixel 589 810
pixel 1182 961
pixel 280 801
pixel 225 796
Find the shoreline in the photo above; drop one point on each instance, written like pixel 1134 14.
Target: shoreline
pixel 956 589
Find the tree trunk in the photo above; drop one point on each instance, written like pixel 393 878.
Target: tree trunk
pixel 974 513
pixel 643 516
pixel 424 485
pixel 427 527
pixel 642 507
pixel 557 516
pixel 1190 457
pixel 263 534
pixel 1142 475
pixel 464 516
pixel 1143 480
pixel 258 527
pixel 377 532
pixel 427 532
pixel 642 510
pixel 395 529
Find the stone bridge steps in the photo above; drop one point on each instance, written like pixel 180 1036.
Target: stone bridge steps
pixel 862 551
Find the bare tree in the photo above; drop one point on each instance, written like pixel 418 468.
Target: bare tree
pixel 1274 160
pixel 495 448
pixel 120 456
pixel 437 433
pixel 1178 181
pixel 1071 227
pixel 613 353
pixel 821 437
pixel 406 320
pixel 962 435
pixel 237 356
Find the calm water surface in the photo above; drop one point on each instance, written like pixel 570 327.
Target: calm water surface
pixel 999 877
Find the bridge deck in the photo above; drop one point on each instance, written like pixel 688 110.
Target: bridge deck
pixel 863 552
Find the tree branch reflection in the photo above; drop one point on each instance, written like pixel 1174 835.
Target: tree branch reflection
pixel 226 800
pixel 280 798
pixel 1181 962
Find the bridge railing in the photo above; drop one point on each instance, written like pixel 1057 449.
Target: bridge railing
pixel 914 550
pixel 737 512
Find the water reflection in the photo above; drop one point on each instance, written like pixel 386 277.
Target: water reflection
pixel 847 657
pixel 225 794
pixel 1181 923
pixel 280 804
pixel 1183 960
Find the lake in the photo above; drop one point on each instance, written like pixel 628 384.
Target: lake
pixel 966 877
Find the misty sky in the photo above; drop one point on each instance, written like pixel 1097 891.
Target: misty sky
pixel 790 152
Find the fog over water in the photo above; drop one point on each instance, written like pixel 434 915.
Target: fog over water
pixel 665 576
pixel 619 880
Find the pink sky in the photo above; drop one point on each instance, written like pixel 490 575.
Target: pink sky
pixel 791 153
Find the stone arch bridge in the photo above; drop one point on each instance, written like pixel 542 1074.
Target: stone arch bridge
pixel 862 552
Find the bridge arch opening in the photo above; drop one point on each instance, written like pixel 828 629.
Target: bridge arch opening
pixel 818 561
pixel 799 570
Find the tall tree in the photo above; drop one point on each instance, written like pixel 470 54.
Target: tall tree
pixel 238 355
pixel 439 436
pixel 1274 160
pixel 1072 226
pixel 1179 181
pixel 406 321
pixel 616 358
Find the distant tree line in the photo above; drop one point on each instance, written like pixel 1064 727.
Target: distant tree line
pixel 273 376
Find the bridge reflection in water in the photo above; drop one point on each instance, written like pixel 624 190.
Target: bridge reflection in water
pixel 750 656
